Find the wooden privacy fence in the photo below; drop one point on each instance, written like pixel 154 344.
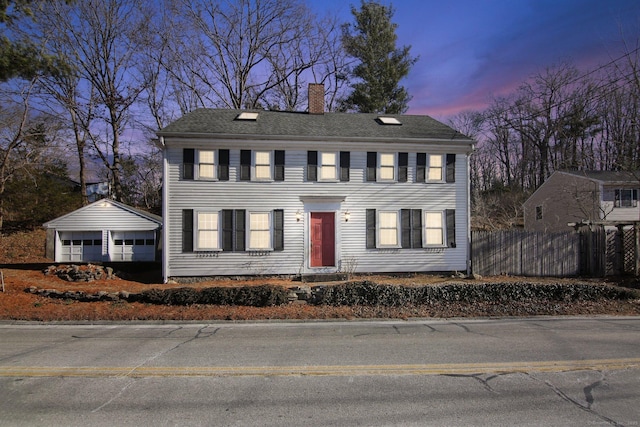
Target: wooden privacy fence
pixel 588 252
pixel 523 253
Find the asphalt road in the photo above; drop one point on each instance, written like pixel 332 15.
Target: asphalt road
pixel 539 371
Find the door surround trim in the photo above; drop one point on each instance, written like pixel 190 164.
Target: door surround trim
pixel 327 204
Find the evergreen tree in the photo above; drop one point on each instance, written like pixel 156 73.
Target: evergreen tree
pixel 372 41
pixel 21 58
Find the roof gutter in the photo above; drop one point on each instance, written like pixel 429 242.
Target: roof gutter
pixel 255 137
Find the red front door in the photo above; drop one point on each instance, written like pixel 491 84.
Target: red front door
pixel 322 239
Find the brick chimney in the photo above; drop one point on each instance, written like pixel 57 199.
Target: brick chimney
pixel 316 98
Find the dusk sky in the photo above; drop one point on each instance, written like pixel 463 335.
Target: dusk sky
pixel 473 50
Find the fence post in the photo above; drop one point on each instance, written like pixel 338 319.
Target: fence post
pixel 636 248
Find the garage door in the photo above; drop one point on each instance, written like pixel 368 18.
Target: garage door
pixel 133 246
pixel 80 246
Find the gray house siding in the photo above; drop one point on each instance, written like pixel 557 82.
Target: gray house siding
pixel 561 200
pixel 296 194
pixel 571 197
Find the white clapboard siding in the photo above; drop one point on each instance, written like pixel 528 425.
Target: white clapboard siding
pixel 99 217
pixel 100 221
pixel 286 195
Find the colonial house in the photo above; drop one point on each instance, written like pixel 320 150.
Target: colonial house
pixel 574 197
pixel 104 231
pixel 297 193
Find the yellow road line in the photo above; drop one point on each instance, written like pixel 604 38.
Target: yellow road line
pixel 315 370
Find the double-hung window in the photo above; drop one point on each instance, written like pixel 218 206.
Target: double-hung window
pixel 435 168
pixel 260 231
pixel 206 164
pixel 410 229
pixel 261 165
pixel 207 237
pixel 434 229
pixel 387 167
pixel 328 166
pixel 232 230
pixel 388 229
pixel 626 198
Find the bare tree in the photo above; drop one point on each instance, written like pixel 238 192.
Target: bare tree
pixel 99 43
pixel 318 56
pixel 246 53
pixel 64 90
pixel 14 119
pixel 26 137
pixel 619 108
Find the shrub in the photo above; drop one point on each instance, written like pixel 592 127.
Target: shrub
pixel 255 296
pixel 367 293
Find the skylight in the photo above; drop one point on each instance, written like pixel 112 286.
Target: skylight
pixel 246 115
pixel 389 120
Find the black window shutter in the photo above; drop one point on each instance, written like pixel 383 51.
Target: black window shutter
pixel 451 168
pixel 416 228
pixel 421 165
pixel 188 159
pixel 239 229
pixel 187 230
pixel 372 164
pixel 227 230
pixel 405 224
pixel 411 227
pixel 451 227
pixel 223 165
pixel 371 228
pixel 278 230
pixel 312 165
pixel 403 167
pixel 345 165
pixel 279 165
pixel 245 165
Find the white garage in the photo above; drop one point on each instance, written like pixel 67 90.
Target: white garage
pixel 104 231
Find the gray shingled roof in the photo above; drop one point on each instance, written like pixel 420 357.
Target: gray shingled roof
pixel 274 124
pixel 621 177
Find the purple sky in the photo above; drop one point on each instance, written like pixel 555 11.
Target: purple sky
pixel 473 50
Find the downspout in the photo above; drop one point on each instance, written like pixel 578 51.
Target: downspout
pixel 469 253
pixel 165 212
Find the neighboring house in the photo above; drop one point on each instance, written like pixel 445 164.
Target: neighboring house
pixel 268 192
pixel 569 197
pixel 104 231
pixel 98 190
